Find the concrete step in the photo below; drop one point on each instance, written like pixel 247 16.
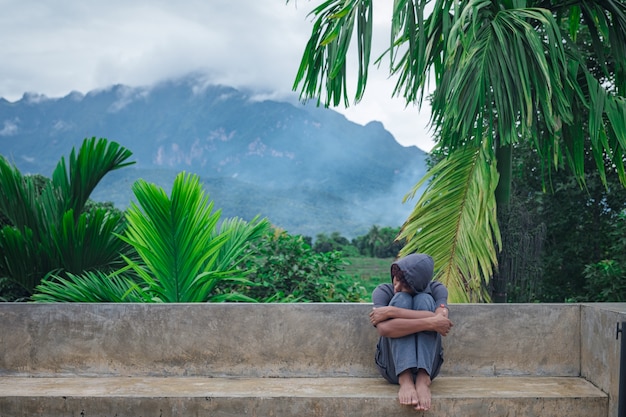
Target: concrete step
pixel 513 396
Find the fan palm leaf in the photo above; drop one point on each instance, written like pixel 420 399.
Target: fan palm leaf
pixel 19 198
pixel 173 237
pixel 89 242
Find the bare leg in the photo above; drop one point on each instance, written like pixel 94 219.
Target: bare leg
pixel 422 388
pixel 407 395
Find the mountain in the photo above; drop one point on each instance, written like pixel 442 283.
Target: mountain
pixel 307 169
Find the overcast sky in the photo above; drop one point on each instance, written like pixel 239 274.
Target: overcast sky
pixel 54 47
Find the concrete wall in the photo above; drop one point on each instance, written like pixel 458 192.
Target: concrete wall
pixel 513 339
pixel 301 340
pixel 601 349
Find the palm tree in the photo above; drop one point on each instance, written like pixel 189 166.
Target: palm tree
pixel 547 72
pixel 183 251
pixel 48 228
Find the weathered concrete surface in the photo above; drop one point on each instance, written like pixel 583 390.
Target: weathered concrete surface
pixel 186 340
pixel 304 359
pixel 272 340
pixel 600 348
pixel 363 397
pixel 513 339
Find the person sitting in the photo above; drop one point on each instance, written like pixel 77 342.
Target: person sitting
pixel 411 315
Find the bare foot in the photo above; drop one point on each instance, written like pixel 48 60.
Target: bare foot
pixel 422 388
pixel 407 395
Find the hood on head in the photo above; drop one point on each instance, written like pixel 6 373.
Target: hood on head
pixel 418 270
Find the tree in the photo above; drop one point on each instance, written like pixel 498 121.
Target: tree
pixel 379 242
pixel 504 72
pixel 48 228
pixel 551 235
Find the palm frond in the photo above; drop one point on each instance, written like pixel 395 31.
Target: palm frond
pixel 240 235
pixel 174 236
pixel 183 253
pixel 90 287
pixel 500 66
pixel 95 158
pixel 89 241
pixel 323 64
pixel 51 230
pixel 23 258
pixel 18 197
pixel 455 222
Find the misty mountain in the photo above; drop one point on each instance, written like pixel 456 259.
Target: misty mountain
pixel 307 169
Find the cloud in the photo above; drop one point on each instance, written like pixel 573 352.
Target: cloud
pixel 9 128
pixel 60 46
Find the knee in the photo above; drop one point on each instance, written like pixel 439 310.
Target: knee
pixel 423 301
pixel 402 300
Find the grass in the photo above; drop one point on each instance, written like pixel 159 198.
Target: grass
pixel 368 271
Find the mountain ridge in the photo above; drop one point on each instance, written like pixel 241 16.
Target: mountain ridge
pixel 253 155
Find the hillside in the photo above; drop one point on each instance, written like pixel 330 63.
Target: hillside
pixel 308 169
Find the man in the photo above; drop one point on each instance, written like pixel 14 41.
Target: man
pixel 411 315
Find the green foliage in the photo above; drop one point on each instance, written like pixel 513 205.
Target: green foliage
pixel 90 287
pixel 502 72
pixel 454 221
pixel 369 272
pixel 605 281
pixel 557 240
pixel 286 269
pixel 47 228
pixel 334 242
pixel 182 253
pixel 380 242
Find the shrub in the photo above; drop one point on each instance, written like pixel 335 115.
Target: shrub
pixel 286 269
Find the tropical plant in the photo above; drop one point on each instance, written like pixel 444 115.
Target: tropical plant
pixel 286 269
pixel 183 251
pixel 549 73
pixel 48 228
pixel 605 281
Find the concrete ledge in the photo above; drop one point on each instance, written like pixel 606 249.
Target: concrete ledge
pixel 298 359
pixel 272 340
pixel 364 397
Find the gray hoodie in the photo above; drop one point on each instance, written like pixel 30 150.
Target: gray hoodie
pixel 418 270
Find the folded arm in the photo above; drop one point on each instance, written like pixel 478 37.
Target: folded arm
pixel 398 322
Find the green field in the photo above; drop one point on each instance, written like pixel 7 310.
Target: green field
pixel 368 271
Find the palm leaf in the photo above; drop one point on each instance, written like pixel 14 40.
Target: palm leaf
pixel 18 197
pixel 95 158
pixel 89 241
pixel 182 255
pixel 323 64
pixel 240 235
pixel 90 287
pixel 454 221
pixel 503 68
pixel 51 230
pixel 23 258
